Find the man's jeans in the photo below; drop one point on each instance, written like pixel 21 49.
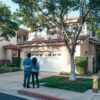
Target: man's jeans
pixel 26 78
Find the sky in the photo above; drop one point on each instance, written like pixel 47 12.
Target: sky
pixel 9 3
pixel 14 6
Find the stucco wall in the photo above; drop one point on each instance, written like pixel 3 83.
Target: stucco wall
pixel 1 53
pixel 77 51
pixel 84 48
pixel 3 43
pixel 92 50
pixel 88 50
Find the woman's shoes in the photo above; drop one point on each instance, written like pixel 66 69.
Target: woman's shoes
pixel 28 87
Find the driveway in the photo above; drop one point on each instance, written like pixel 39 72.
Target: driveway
pixel 13 81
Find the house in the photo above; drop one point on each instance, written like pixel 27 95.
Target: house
pixel 9 49
pixel 9 52
pixel 51 51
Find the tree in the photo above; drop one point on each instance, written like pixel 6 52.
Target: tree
pixel 7 25
pixel 52 15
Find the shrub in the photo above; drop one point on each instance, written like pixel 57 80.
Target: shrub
pixel 10 65
pixel 64 73
pixel 81 65
pixel 16 61
pixel 9 69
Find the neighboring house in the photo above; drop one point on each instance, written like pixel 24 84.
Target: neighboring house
pixel 52 53
pixel 9 49
pixel 9 52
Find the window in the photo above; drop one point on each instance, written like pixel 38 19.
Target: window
pixel 59 54
pixel 18 38
pixel 41 54
pixel 25 37
pixel 93 33
pixel 49 54
pixel 54 54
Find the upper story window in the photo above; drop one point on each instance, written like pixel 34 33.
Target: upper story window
pixel 25 37
pixel 18 39
pixel 93 33
pixel 22 38
pixel 22 35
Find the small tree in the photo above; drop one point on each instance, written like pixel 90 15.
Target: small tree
pixel 7 25
pixel 52 15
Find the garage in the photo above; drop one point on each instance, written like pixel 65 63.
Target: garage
pixel 52 56
pixel 51 61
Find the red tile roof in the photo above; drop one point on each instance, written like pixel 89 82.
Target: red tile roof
pixel 11 46
pixel 57 40
pixel 22 32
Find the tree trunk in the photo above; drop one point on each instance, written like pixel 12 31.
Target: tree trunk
pixel 72 72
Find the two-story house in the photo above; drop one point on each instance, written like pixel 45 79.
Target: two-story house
pixel 8 53
pixel 51 51
pixel 10 49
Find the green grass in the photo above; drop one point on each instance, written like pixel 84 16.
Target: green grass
pixel 62 82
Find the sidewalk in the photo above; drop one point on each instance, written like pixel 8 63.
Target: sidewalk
pixel 51 92
pixel 12 83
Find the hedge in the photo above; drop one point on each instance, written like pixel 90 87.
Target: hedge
pixel 81 65
pixel 5 69
pixel 16 61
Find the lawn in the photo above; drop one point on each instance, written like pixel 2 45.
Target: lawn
pixel 62 82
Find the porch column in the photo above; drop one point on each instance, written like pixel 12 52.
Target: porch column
pixel 90 63
pixel 22 56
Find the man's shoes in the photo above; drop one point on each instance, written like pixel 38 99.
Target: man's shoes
pixel 24 85
pixel 38 86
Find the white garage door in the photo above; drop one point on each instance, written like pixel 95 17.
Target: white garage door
pixel 51 61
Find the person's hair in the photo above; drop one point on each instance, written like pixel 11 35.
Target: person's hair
pixel 34 60
pixel 29 55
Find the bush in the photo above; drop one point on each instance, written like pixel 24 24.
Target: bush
pixel 8 69
pixel 10 65
pixel 81 65
pixel 16 61
pixel 64 73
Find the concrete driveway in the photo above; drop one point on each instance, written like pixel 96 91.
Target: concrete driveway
pixel 13 81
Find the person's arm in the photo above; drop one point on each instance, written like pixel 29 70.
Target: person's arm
pixel 30 63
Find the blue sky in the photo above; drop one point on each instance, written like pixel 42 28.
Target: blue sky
pixel 14 6
pixel 9 3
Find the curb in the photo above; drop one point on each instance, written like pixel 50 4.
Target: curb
pixel 38 95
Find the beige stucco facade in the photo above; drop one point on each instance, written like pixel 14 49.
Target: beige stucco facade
pixel 85 48
pixel 8 54
pixel 54 52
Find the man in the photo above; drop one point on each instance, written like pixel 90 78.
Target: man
pixel 27 70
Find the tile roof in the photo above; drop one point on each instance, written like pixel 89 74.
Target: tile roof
pixel 11 46
pixel 22 31
pixel 57 40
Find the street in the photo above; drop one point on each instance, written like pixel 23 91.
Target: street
pixel 4 96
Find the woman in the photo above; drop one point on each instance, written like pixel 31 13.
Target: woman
pixel 35 71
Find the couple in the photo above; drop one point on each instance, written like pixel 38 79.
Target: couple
pixel 31 67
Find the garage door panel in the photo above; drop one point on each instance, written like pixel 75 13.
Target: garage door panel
pixel 53 62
